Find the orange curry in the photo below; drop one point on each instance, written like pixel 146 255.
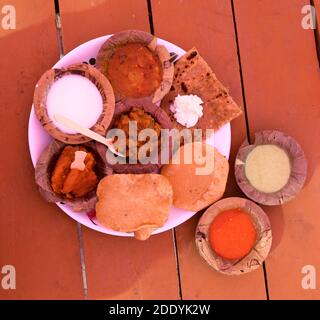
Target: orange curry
pixel 232 234
pixel 134 71
pixel 73 183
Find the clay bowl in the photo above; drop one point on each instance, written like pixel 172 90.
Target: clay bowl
pixel 44 168
pixel 97 78
pixel 258 253
pixel 298 168
pixel 122 165
pixel 150 41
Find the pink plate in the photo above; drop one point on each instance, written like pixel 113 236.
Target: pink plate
pixel 39 139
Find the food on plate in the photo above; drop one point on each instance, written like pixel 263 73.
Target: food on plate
pixel 193 76
pixel 143 121
pixel 79 92
pixel 146 115
pixel 74 96
pixel 134 70
pixel 134 203
pixel 73 175
pixel 136 65
pixel 234 236
pixel 198 173
pixel 70 174
pixel 272 170
pixel 135 86
pixel 187 109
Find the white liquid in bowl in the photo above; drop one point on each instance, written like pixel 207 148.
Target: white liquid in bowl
pixel 77 98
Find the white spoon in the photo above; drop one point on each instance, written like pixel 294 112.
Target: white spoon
pixel 70 124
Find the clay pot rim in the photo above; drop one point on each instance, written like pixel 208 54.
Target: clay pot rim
pixel 92 74
pixel 257 254
pixel 137 36
pixel 298 172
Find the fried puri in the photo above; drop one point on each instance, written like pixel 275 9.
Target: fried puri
pixel 134 203
pixel 198 174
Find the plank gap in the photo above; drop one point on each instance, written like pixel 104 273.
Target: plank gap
pixel 82 261
pixel 79 229
pixel 241 76
pixel 150 16
pixel 176 255
pixel 264 266
pixel 246 120
pixel 316 32
pixel 59 27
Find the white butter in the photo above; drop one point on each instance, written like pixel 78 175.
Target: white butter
pixel 78 162
pixel 187 109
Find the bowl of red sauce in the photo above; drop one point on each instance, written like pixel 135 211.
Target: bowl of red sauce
pixel 234 236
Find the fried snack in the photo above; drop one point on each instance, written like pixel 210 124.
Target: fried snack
pixel 194 76
pixel 134 203
pixel 191 190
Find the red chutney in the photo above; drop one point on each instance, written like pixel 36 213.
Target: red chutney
pixel 232 234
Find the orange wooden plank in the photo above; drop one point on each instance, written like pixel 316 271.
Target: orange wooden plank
pixel 282 80
pixel 35 237
pixel 84 20
pixel 210 28
pixel 119 268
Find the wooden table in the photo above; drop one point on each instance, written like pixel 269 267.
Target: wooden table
pixel 268 61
